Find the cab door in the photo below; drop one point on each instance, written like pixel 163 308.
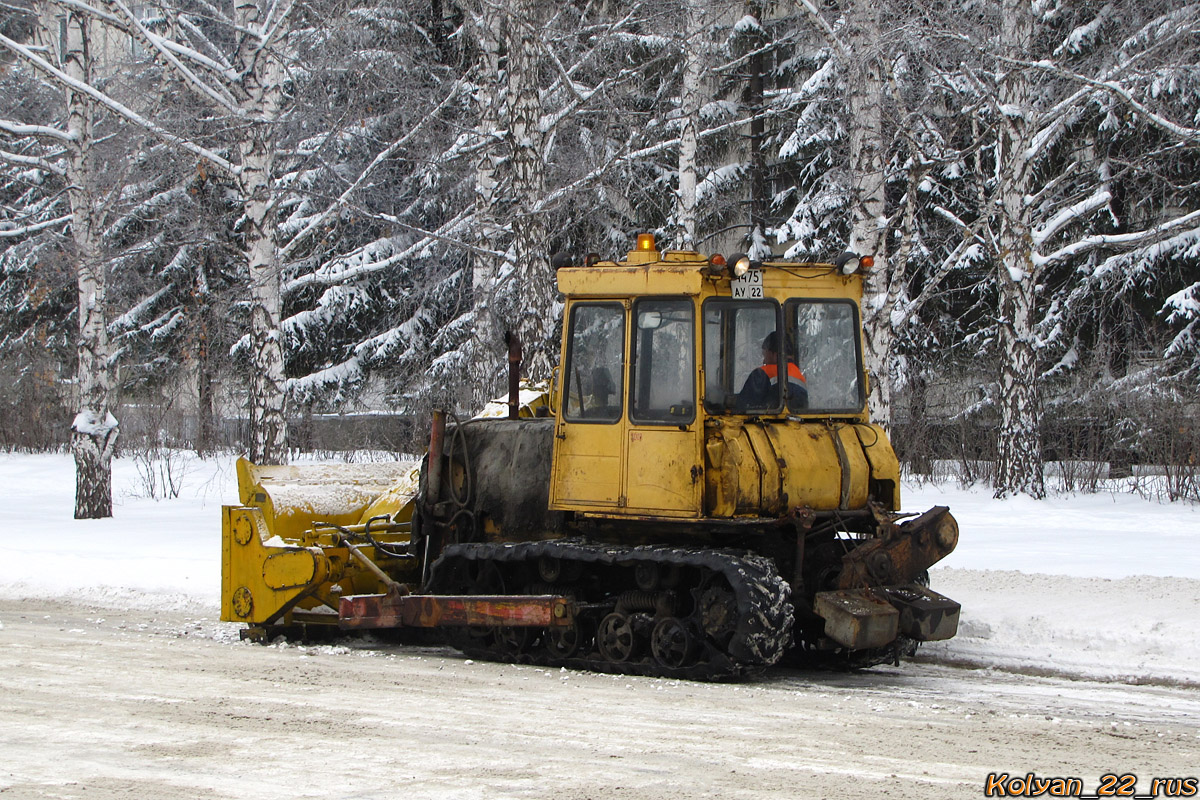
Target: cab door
pixel 589 453
pixel 663 474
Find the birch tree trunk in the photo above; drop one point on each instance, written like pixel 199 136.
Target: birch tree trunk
pixel 758 247
pixel 535 279
pixel 483 351
pixel 516 291
pixel 864 74
pixel 1019 448
pixel 94 430
pixel 689 108
pixel 260 93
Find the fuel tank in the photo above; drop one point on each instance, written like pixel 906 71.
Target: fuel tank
pixel 765 467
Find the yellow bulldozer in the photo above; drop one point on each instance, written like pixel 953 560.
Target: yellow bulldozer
pixel 700 493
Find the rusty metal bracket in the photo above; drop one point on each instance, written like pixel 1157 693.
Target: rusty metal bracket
pixel 397 610
pixel 902 553
pixel 802 519
pixel 370 566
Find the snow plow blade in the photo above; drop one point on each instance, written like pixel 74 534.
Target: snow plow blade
pixel 290 547
pixel 292 498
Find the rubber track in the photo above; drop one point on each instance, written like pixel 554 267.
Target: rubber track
pixel 763 599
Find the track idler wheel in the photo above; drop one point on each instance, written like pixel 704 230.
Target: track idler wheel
pixel 568 641
pixel 513 642
pixel 617 640
pixel 673 643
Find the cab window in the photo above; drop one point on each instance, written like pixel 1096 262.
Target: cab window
pixel 734 334
pixel 824 335
pixel 596 349
pixel 663 369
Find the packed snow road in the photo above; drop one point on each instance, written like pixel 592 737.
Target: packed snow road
pixel 141 704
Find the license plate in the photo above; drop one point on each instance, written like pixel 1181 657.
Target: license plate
pixel 748 286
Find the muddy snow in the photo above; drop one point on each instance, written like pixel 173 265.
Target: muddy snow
pixel 118 705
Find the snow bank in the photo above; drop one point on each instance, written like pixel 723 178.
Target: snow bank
pixel 1131 630
pixel 149 552
pixel 1087 535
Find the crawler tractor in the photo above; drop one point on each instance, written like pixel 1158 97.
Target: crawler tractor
pixel 699 494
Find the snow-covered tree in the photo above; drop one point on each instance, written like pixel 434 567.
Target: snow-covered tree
pixel 67 46
pixel 1051 98
pixel 870 153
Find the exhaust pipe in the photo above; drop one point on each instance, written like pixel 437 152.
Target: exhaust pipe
pixel 514 374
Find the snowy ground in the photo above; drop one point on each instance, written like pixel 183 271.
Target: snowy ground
pixel 1091 586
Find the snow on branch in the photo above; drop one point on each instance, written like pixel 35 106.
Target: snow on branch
pixel 348 372
pixel 273 22
pixel 382 156
pixel 92 11
pixel 1112 86
pixel 1163 29
pixel 133 317
pixel 339 271
pixel 1184 305
pixel 1050 227
pixel 965 253
pixel 198 35
pixel 633 156
pixel 1084 36
pixel 1124 241
pixel 830 34
pixel 18 129
pixel 168 49
pixel 12 233
pixel 950 217
pixel 17 8
pixel 32 161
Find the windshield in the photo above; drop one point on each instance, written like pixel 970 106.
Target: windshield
pixel 750 367
pixel 663 373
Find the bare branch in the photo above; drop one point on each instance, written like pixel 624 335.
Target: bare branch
pixel 382 156
pixel 132 116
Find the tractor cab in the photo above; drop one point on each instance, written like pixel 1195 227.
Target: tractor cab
pixel 693 388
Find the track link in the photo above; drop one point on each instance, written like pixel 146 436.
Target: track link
pixel 728 614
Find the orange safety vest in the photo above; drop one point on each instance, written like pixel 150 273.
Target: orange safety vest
pixel 793 372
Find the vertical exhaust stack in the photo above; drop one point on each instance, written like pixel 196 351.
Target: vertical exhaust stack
pixel 514 374
pixel 433 483
pixel 433 487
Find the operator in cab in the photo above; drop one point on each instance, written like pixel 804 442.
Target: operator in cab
pixel 762 385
